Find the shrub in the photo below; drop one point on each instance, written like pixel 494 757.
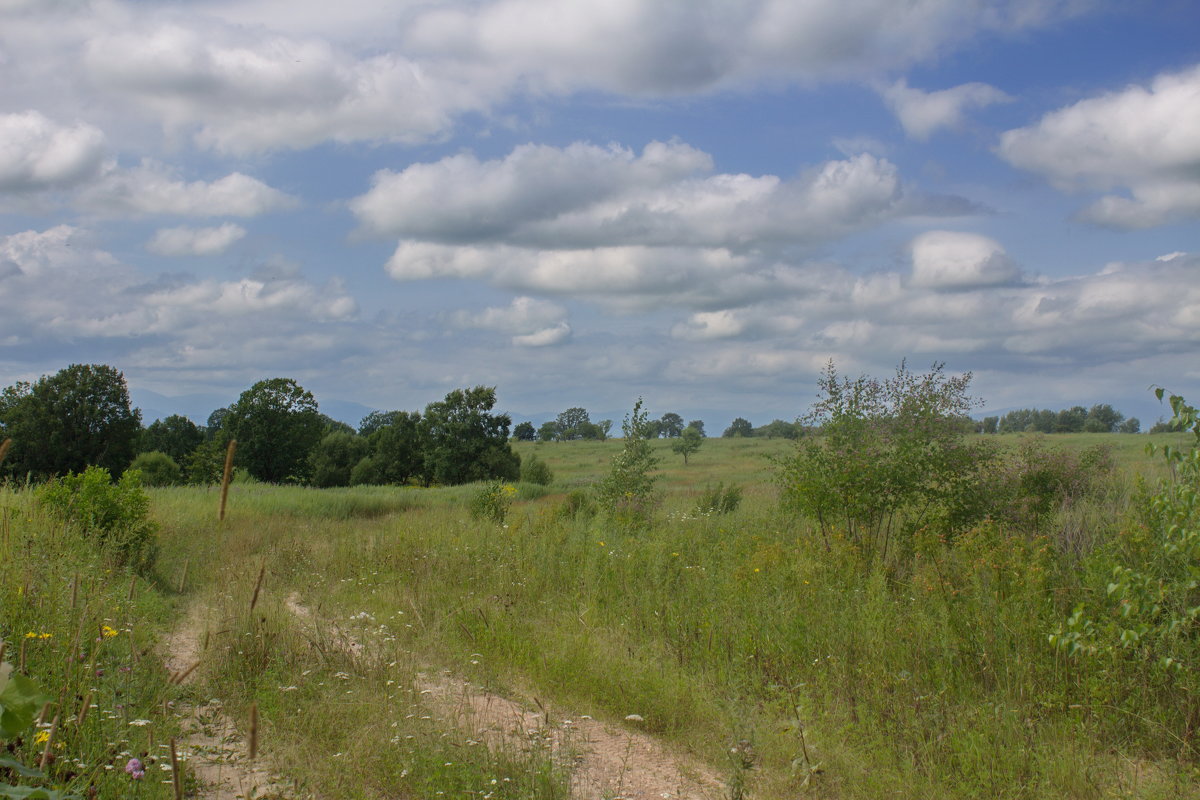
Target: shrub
pixel 157 468
pixel 536 471
pixel 720 499
pixel 114 514
pixel 577 503
pixel 889 457
pixel 492 502
pixel 627 492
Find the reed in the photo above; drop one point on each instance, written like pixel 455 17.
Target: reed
pixel 226 477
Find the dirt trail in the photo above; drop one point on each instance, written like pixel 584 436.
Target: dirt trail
pixel 607 762
pixel 212 746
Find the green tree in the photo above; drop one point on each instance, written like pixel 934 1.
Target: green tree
pixel 549 432
pixel 215 421
pixel 524 432
pixel 739 427
pixel 1102 418
pixel 1131 425
pixel 688 442
pixel 65 422
pixel 671 425
pixel 176 435
pixel 376 420
pixel 277 425
pixel 698 424
pixel 332 460
pixel 465 442
pixel 778 429
pixel 398 449
pixel 627 492
pixel 991 424
pixel 332 425
pixel 573 424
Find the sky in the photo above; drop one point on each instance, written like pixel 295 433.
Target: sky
pixel 692 201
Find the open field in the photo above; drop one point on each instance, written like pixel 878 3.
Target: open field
pixel 747 649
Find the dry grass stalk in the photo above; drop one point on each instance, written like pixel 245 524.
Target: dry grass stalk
pixel 132 586
pixel 21 658
pixel 253 730
pixel 3 647
pixel 49 743
pixel 228 474
pixel 183 577
pixel 74 591
pixel 180 677
pixel 262 571
pixel 4 448
pixel 176 778
pixel 83 710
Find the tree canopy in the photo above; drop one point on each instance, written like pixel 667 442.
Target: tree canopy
pixel 465 442
pixel 277 425
pixel 61 423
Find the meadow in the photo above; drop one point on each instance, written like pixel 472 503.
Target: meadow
pixel 789 665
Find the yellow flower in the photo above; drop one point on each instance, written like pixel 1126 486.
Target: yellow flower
pixel 32 635
pixel 108 632
pixel 601 544
pixel 41 737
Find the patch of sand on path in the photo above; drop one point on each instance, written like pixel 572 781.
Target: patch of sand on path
pixel 606 761
pixel 212 746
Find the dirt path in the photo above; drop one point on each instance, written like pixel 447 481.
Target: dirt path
pixel 607 761
pixel 212 746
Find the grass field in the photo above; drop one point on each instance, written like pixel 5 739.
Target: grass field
pixel 789 668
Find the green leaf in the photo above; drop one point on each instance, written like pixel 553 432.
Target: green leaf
pixel 20 769
pixel 34 793
pixel 20 700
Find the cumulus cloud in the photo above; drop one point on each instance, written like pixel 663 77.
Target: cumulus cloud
pixel 529 321
pixel 955 260
pixel 921 113
pixel 37 153
pixel 59 288
pixel 1142 139
pixel 195 241
pixel 154 188
pixel 585 196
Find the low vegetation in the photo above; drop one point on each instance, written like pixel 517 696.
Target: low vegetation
pixel 895 607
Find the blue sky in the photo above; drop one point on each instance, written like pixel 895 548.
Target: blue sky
pixel 581 203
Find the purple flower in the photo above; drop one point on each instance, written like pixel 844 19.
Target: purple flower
pixel 135 769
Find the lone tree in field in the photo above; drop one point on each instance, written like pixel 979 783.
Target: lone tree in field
pixel 627 492
pixel 65 422
pixel 277 425
pixel 688 442
pixel 739 427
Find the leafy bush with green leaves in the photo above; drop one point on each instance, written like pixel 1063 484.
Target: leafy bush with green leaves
pixel 627 492
pixel 886 457
pixel 1140 632
pixel 115 514
pixel 158 469
pixel 492 502
pixel 534 470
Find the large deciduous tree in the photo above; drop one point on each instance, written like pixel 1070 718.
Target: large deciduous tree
pixel 276 424
pixel 465 442
pixel 79 416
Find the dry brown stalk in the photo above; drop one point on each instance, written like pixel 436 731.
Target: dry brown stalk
pixel 83 710
pixel 180 677
pixel 4 448
pixel 176 778
pixel 228 474
pixel 258 584
pixel 183 578
pixel 49 744
pixel 253 730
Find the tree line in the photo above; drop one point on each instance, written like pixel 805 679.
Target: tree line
pixel 82 416
pixel 1100 418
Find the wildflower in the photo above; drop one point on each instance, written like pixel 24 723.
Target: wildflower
pixel 108 632
pixel 141 723
pixel 32 635
pixel 41 737
pixel 135 769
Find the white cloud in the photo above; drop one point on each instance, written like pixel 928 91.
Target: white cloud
pixel 153 188
pixel 195 241
pixel 529 321
pixel 37 153
pixel 956 260
pixel 58 288
pixel 585 196
pixel 921 113
pixel 706 325
pixel 1145 140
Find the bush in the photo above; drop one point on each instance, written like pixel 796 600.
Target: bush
pixel 536 471
pixel 492 502
pixel 115 514
pixel 157 468
pixel 719 499
pixel 577 503
pixel 627 492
